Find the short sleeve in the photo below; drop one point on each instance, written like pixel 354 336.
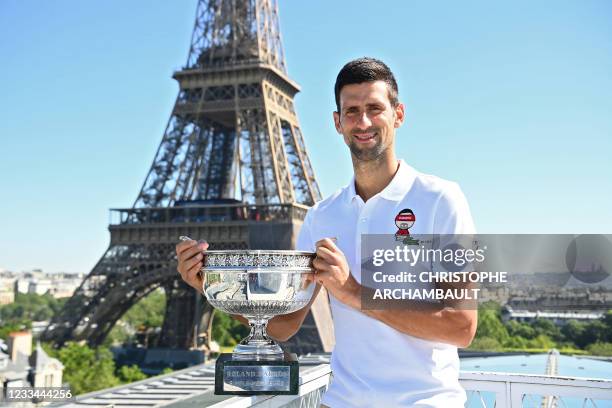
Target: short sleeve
pixel 452 215
pixel 304 240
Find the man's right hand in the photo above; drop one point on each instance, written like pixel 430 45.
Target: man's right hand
pixel 190 255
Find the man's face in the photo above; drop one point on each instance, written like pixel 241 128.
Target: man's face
pixel 367 120
pixel 404 224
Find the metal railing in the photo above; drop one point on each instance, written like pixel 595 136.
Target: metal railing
pixel 484 389
pixel 530 390
pixel 207 213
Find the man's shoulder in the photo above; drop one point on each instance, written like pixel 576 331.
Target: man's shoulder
pixel 429 183
pixel 442 195
pixel 331 204
pixel 450 208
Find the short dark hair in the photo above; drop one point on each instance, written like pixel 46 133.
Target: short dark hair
pixel 366 69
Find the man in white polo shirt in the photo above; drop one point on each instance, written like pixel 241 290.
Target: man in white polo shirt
pixel 382 358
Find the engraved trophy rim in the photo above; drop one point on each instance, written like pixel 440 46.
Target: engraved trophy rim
pixel 258 261
pixel 257 269
pixel 258 252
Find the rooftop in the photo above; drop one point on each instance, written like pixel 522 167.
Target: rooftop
pixel 193 387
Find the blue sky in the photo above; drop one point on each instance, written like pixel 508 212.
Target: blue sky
pixel 510 99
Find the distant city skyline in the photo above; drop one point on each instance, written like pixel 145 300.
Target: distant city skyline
pixel 511 100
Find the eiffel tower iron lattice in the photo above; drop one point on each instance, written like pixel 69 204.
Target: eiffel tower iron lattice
pixel 232 167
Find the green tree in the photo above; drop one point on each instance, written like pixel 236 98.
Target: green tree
pixel 226 330
pixel 541 341
pixel 30 306
pixel 490 305
pixel 573 331
pixel 516 342
pixel 518 329
pixel 145 314
pixel 148 312
pixel 25 309
pixel 87 369
pixel 13 326
pixel 129 374
pixel 600 349
pixel 547 328
pixel 490 325
pixel 595 332
pixel 607 320
pixel 485 344
pixel 117 336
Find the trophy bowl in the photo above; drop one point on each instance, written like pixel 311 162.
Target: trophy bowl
pixel 258 284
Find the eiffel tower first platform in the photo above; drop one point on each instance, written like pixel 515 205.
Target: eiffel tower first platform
pixel 232 168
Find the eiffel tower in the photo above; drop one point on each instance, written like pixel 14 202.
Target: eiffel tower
pixel 232 167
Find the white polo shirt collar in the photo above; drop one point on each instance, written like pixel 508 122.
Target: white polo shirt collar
pixel 396 190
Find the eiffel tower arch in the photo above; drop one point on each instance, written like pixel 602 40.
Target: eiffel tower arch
pixel 232 167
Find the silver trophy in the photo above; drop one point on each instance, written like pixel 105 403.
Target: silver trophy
pixel 257 284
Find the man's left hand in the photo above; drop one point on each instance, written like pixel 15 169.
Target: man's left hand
pixel 332 271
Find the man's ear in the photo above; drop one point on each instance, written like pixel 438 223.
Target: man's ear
pixel 399 115
pixel 337 122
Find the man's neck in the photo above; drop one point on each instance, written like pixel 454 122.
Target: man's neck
pixel 372 177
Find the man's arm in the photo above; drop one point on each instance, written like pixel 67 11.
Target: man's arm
pixel 425 320
pixel 445 324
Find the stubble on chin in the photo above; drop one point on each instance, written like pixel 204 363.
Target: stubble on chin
pixel 361 154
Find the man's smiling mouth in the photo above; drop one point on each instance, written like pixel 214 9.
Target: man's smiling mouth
pixel 364 137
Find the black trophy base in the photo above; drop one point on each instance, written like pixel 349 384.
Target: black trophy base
pixel 238 377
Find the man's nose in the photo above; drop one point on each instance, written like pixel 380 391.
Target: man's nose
pixel 363 121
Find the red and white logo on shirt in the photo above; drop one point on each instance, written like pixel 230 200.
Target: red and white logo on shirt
pixel 404 220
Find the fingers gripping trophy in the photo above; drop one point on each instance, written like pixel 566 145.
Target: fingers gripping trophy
pixel 258 285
